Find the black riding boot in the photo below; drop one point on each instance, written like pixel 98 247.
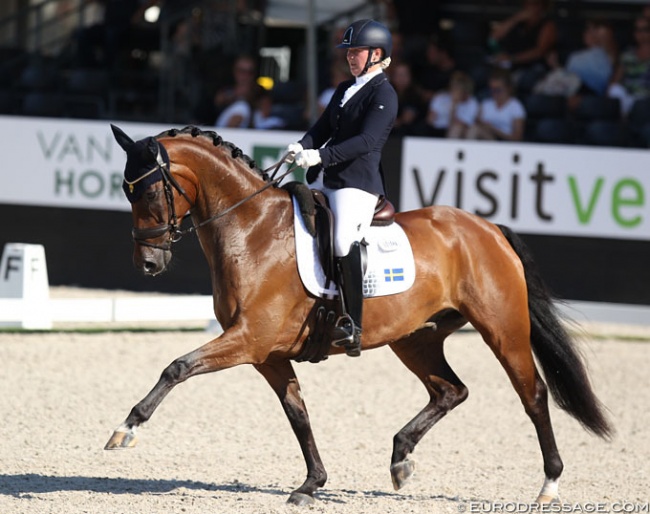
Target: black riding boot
pixel 347 331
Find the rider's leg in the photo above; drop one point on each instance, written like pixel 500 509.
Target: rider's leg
pixel 353 211
pixel 348 327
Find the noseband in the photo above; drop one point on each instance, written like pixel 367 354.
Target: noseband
pixel 172 227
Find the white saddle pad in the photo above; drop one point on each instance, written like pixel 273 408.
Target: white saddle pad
pixel 391 267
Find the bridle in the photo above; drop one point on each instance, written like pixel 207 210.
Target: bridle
pixel 173 225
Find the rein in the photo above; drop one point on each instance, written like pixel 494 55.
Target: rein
pixel 141 235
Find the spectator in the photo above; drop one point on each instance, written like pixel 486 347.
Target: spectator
pixel 502 116
pixel 416 21
pixel 411 109
pixel 645 11
pixel 434 74
pixel 452 112
pixel 594 64
pixel 234 102
pixel 263 117
pixel 523 42
pixel 631 79
pixel 339 71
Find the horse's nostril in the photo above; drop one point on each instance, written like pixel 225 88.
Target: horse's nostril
pixel 150 267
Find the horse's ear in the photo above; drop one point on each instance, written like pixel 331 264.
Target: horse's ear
pixel 122 139
pixel 152 147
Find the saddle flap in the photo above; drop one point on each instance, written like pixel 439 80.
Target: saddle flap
pixel 324 222
pixel 390 265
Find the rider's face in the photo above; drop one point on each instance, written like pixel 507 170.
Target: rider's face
pixel 357 58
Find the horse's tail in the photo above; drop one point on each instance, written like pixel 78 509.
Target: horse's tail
pixel 561 362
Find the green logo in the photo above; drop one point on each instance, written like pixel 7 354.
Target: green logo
pixel 267 156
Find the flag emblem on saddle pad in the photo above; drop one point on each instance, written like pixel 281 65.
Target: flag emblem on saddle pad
pixel 393 274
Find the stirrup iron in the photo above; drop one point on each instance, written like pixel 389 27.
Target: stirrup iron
pixel 343 331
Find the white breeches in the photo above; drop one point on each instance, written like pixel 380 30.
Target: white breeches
pixel 353 210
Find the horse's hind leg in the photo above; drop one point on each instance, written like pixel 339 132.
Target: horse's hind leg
pixel 511 345
pixel 423 354
pixel 282 378
pixel 532 390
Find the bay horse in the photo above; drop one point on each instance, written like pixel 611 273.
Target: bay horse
pixel 468 271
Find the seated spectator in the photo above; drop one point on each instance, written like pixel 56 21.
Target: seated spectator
pixel 237 115
pixel 594 64
pixel 631 79
pixel 339 71
pixel 263 117
pixel 411 109
pixel 233 102
pixel 415 21
pixel 434 73
pixel 452 112
pixel 501 116
pixel 523 41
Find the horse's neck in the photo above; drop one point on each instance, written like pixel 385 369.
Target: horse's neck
pixel 236 241
pixel 242 251
pixel 226 181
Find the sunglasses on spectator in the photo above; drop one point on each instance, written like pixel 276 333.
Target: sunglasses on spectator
pixel 245 70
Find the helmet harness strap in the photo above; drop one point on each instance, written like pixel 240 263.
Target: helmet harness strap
pixel 369 62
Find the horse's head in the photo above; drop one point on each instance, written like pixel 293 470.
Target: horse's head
pixel 149 187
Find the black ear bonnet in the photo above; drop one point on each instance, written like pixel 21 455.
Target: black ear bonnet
pixel 145 160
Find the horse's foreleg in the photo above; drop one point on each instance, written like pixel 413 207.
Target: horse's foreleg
pixel 282 378
pixel 423 355
pixel 224 352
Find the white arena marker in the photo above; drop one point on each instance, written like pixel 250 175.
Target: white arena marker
pixel 25 286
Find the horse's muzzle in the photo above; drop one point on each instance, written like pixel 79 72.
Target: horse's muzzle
pixel 151 261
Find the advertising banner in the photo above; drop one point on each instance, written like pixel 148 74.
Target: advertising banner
pixel 535 189
pixel 78 164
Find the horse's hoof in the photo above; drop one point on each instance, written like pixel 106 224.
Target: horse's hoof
pixel 545 499
pixel 300 499
pixel 121 438
pixel 401 472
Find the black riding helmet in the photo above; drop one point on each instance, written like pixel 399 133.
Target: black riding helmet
pixel 371 34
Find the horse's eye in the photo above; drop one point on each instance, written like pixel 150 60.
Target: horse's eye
pixel 151 195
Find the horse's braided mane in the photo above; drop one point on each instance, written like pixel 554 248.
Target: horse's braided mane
pixel 217 140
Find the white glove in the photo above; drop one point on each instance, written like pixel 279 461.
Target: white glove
pixel 308 158
pixel 291 152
